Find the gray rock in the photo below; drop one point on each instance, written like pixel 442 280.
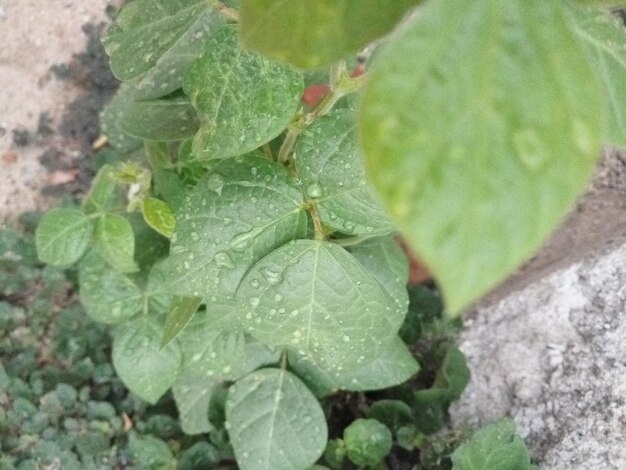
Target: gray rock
pixel 553 356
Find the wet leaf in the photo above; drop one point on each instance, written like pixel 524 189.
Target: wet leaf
pixel 465 122
pixel 159 216
pixel 243 99
pixel 181 312
pixel 367 441
pixel 315 298
pixel 275 422
pixel 108 295
pixel 115 242
pixel 160 120
pixel 146 369
pixel 394 366
pixel 329 165
pixel 242 210
pixel 63 236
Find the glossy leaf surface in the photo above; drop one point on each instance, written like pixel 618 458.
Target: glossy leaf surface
pixel 109 296
pixel 315 298
pixel 161 120
pixel 394 366
pixel 243 99
pixel 479 154
pixel 62 236
pixel 329 165
pixel 243 209
pixel 115 241
pixel 146 31
pixel 275 422
pixel 146 369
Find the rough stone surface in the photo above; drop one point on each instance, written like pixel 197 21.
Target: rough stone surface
pixel 553 357
pixel 36 37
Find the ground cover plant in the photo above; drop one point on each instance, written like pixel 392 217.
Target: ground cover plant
pixel 236 244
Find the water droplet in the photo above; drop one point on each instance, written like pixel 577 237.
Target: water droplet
pixel 249 316
pixel 255 284
pixel 241 241
pixel 347 166
pixel 308 419
pixel 272 277
pixel 215 183
pixel 346 338
pixel 254 301
pixel 222 260
pixel 278 297
pixel 530 149
pixel 195 236
pixel 314 190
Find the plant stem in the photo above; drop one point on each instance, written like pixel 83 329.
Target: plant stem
pixel 228 12
pixel 283 359
pixel 317 223
pixel 341 84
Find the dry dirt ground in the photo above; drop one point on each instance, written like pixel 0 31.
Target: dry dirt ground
pixel 47 97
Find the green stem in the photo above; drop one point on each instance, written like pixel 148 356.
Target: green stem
pixel 317 223
pixel 228 12
pixel 341 84
pixel 283 359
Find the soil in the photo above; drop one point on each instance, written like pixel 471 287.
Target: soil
pixel 54 79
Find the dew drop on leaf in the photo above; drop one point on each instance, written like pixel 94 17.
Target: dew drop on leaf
pixel 314 190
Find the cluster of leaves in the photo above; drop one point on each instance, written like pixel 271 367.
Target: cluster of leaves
pixel 61 403
pixel 238 248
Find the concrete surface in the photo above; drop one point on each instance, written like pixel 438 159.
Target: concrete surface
pixel 553 357
pixel 36 35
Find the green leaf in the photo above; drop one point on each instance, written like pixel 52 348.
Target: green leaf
pixel 192 395
pixel 335 453
pixel 168 73
pixel 242 210
pixel 146 369
pixel 171 187
pixel 465 134
pixel 494 447
pixel 159 216
pixel 387 263
pixel 149 34
pixel 425 309
pixel 112 116
pixel 150 453
pixel 63 236
pixel 161 120
pixel 315 298
pixel 213 351
pixel 316 34
pixel 244 100
pixel 115 242
pixel 392 413
pixel 328 162
pixel 181 312
pixel 212 347
pixel 154 246
pixel 275 422
pixel 104 195
pixel 367 441
pixel 604 37
pixel 431 405
pixel 108 295
pixel 394 366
